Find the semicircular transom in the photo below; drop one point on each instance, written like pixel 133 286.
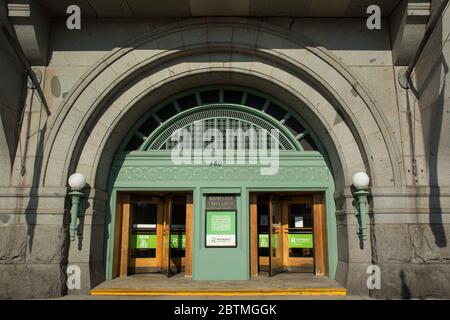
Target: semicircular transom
pixel 227 110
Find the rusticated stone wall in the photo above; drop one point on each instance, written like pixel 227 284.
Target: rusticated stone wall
pixel 339 76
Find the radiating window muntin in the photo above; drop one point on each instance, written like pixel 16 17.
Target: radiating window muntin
pixel 222 98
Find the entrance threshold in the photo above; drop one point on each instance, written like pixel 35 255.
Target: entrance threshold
pixel 285 284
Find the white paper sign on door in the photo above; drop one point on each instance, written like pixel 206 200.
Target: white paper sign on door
pixel 298 221
pixel 264 220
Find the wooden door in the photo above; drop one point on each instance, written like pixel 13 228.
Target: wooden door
pixel 122 228
pixel 275 236
pixel 259 233
pixel 254 235
pixel 189 236
pixel 145 233
pixel 320 235
pixel 177 235
pixel 166 261
pixel 304 234
pixel 153 234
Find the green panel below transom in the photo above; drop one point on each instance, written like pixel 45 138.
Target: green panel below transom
pixel 154 171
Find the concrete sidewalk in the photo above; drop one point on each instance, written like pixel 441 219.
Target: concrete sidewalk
pixel 282 286
pixel 99 297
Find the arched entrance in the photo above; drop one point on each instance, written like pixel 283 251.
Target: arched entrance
pixel 188 147
pixel 95 116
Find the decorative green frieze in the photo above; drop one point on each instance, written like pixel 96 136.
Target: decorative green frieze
pixel 205 173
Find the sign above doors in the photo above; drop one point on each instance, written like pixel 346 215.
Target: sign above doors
pixel 220 202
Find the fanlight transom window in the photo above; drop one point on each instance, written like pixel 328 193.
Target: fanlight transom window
pixel 225 110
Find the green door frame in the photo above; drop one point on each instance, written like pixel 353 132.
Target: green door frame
pixel 299 171
pixel 145 169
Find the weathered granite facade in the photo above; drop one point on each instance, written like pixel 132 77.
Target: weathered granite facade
pixel 342 77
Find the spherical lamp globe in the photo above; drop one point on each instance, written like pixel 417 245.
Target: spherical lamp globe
pixel 77 181
pixel 360 180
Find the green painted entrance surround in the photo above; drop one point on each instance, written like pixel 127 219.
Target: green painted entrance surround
pixel 139 168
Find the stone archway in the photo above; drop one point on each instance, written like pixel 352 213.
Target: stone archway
pixel 99 110
pixel 312 73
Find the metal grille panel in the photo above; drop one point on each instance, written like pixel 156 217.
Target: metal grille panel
pixel 220 119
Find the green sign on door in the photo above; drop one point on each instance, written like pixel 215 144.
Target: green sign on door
pixel 178 241
pixel 220 228
pixel 303 240
pixel 148 241
pixel 264 240
pixel 143 241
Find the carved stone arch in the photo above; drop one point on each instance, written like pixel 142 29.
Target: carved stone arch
pixel 318 64
pixel 85 132
pixel 322 73
pixel 138 103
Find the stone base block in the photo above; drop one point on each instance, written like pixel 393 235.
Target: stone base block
pixel 31 281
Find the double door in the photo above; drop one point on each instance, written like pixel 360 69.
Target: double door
pixel 156 234
pixel 291 234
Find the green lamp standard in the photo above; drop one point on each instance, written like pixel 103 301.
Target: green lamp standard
pixel 361 182
pixel 76 182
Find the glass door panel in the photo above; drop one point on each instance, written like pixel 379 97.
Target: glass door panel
pixel 166 269
pixel 177 244
pixel 275 236
pixel 300 231
pixel 146 216
pixel 143 230
pixel 298 234
pixel 263 235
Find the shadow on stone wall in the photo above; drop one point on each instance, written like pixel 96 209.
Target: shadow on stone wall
pixel 33 201
pixel 46 248
pixel 431 74
pixel 406 293
pixel 433 142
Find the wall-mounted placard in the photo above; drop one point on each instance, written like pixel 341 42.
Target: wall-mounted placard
pixel 221 229
pixel 220 202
